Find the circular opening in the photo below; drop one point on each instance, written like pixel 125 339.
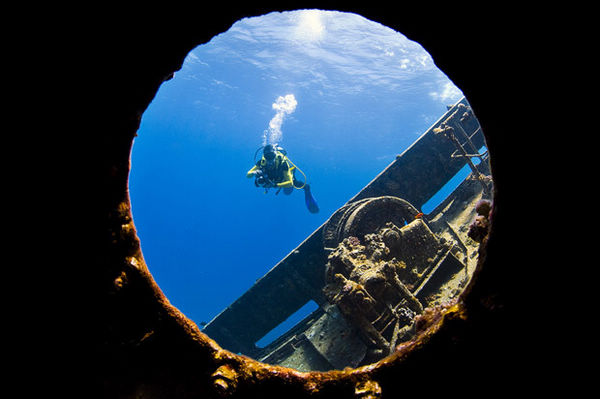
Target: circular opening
pixel 369 213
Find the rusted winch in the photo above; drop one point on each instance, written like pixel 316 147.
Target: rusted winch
pixel 385 262
pixel 365 216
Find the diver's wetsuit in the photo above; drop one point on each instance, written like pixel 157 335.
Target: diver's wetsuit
pixel 281 173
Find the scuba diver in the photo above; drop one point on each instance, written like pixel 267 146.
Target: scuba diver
pixel 275 170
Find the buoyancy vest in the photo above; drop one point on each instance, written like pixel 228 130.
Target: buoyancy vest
pixel 275 170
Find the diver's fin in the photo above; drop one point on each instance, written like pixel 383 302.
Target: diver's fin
pixel 310 201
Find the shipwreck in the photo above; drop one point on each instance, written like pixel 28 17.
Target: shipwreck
pixel 377 263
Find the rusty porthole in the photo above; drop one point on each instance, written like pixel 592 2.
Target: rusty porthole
pixel 362 222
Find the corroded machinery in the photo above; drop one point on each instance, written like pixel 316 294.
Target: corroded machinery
pixel 375 264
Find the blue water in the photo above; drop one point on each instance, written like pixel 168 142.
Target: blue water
pixel 363 94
